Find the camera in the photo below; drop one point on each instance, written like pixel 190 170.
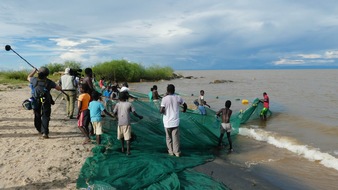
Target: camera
pixel 75 72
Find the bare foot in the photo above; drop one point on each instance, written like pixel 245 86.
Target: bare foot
pixel 86 141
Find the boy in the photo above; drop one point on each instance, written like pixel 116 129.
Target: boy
pixel 150 95
pixel 155 95
pixel 122 110
pixel 96 108
pixel 202 103
pixel 83 113
pixel 225 125
pixel 265 109
pixel 107 94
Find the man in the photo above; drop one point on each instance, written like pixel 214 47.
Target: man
pixel 42 86
pixel 125 87
pixel 88 80
pixel 225 125
pixel 170 108
pixel 265 109
pixel 69 85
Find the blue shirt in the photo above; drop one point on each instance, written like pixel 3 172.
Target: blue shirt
pixel 95 108
pixel 150 94
pixel 107 93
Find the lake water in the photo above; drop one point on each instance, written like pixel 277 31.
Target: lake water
pixel 296 148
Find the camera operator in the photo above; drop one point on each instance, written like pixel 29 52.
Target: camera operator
pixel 69 85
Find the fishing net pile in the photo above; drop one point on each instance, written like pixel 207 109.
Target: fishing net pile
pixel 149 166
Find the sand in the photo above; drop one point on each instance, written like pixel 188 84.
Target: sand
pixel 29 162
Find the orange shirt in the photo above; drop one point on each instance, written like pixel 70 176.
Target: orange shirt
pixel 84 98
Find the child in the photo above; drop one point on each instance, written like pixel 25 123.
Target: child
pixel 150 95
pixel 101 83
pixel 96 108
pixel 83 113
pixel 122 109
pixel 202 103
pixel 265 109
pixel 107 93
pixel 155 95
pixel 225 125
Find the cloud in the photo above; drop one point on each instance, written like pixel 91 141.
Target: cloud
pixel 309 56
pixel 327 58
pixel 331 54
pixel 289 62
pixel 210 34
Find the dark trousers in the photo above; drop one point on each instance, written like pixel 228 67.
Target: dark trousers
pixel 42 117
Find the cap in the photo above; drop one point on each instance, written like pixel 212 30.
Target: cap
pixel 67 70
pixel 44 71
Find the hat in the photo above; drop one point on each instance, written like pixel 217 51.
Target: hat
pixel 67 70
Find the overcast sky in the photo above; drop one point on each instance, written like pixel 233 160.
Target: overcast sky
pixel 182 34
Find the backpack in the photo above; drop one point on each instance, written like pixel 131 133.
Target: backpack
pixel 41 92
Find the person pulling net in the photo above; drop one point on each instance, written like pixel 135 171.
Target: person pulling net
pixel 150 166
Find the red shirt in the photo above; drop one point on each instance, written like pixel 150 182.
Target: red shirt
pixel 101 83
pixel 266 101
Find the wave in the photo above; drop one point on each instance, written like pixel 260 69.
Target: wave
pixel 308 152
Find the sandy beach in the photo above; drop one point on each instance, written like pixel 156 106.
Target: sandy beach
pixel 29 162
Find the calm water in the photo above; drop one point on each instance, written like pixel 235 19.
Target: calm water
pixel 297 147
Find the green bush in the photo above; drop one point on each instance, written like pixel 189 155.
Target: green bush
pixel 158 73
pixel 57 67
pixel 123 70
pixel 118 70
pixel 115 70
pixel 73 65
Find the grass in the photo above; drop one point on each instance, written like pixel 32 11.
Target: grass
pixel 14 78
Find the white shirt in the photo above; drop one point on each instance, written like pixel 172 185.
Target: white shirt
pixel 171 104
pixel 67 82
pixel 124 89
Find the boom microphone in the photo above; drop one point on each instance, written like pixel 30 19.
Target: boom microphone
pixel 8 48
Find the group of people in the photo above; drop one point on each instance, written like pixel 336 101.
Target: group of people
pixel 90 108
pixel 89 104
pixel 170 108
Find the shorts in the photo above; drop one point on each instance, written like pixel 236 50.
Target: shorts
pixel 124 131
pixel 264 111
pixel 84 119
pixel 225 127
pixel 97 127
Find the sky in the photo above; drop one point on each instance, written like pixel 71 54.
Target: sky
pixel 184 34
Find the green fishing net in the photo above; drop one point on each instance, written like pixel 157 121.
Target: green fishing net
pixel 149 166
